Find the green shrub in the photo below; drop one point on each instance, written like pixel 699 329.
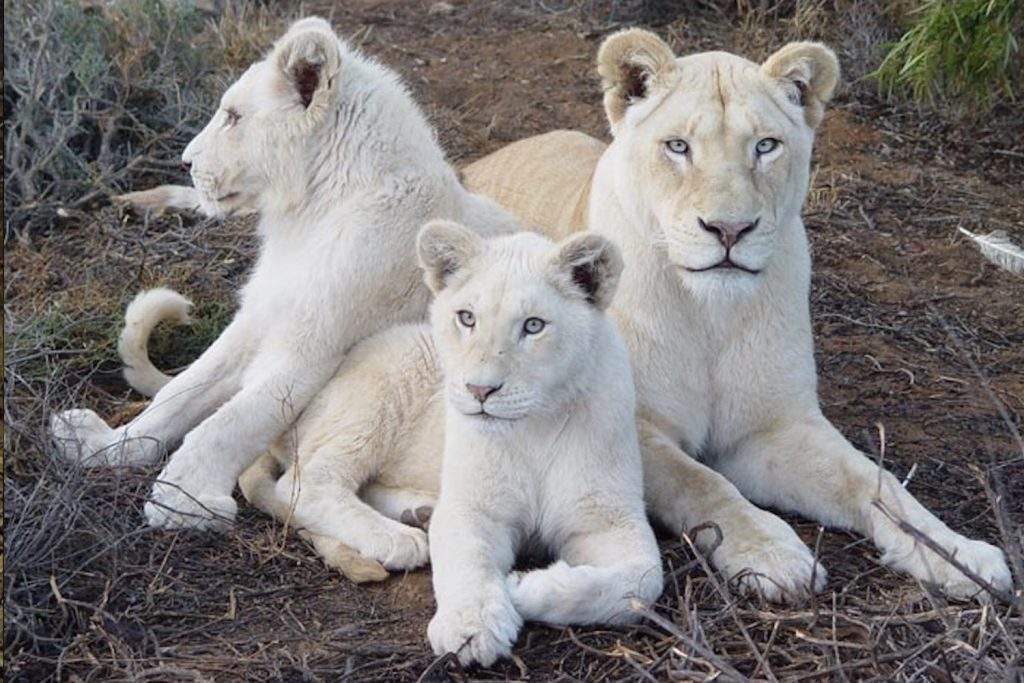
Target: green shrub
pixel 98 96
pixel 962 51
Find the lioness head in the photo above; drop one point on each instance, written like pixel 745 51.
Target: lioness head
pixel 516 319
pixel 712 150
pixel 263 130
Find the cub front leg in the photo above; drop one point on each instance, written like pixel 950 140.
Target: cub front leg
pixel 471 556
pixel 194 488
pixel 810 468
pixel 596 579
pixel 757 548
pixel 82 435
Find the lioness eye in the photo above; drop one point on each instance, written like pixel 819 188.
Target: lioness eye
pixel 677 146
pixel 466 318
pixel 767 145
pixel 233 116
pixel 533 325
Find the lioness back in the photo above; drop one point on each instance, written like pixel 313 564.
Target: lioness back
pixel 543 180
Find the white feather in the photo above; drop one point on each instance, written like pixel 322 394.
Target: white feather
pixel 997 248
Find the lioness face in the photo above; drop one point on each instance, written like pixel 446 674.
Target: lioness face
pixel 714 150
pixel 265 127
pixel 515 317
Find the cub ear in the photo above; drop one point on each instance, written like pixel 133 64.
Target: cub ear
pixel 631 63
pixel 444 247
pixel 809 72
pixel 308 56
pixel 591 264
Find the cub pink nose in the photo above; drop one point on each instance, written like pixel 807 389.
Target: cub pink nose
pixel 728 232
pixel 481 391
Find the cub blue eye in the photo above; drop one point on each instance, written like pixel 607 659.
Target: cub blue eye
pixel 767 145
pixel 466 318
pixel 533 325
pixel 677 146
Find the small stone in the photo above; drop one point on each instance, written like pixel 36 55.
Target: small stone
pixel 441 8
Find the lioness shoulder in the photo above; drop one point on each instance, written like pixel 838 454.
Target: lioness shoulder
pixel 544 180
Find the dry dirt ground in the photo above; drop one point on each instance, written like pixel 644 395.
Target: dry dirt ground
pixel 914 331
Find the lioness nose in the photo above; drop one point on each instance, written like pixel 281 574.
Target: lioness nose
pixel 728 232
pixel 481 391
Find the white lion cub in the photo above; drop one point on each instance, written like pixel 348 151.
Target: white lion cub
pixel 540 440
pixel 333 153
pixel 534 415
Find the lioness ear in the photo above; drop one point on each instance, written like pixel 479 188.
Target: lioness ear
pixel 631 63
pixel 443 247
pixel 809 72
pixel 308 56
pixel 592 265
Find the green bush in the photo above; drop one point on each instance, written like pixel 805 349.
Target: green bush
pixel 965 52
pixel 98 96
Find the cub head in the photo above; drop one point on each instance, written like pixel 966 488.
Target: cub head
pixel 518 320
pixel 712 150
pixel 264 131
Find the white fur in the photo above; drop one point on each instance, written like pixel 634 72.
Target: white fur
pixel 555 461
pixel 343 168
pixel 723 359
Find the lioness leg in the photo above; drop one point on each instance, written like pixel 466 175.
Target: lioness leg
pixel 810 468
pixel 594 581
pixel 757 547
pixel 190 397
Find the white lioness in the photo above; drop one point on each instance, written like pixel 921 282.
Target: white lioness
pixel 535 418
pixel 331 150
pixel 702 186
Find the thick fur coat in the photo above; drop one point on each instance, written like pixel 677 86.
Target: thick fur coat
pixel 332 152
pixel 702 186
pixel 523 385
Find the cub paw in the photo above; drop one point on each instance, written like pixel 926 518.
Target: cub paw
pixel 171 507
pixel 984 560
pixel 81 436
pixel 420 517
pixel 404 547
pixel 767 558
pixel 481 631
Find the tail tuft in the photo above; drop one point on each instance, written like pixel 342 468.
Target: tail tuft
pixel 145 311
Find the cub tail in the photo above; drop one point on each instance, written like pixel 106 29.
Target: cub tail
pixel 145 311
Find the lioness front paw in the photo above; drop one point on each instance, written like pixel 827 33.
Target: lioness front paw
pixel 984 560
pixel 767 558
pixel 480 631
pixel 172 505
